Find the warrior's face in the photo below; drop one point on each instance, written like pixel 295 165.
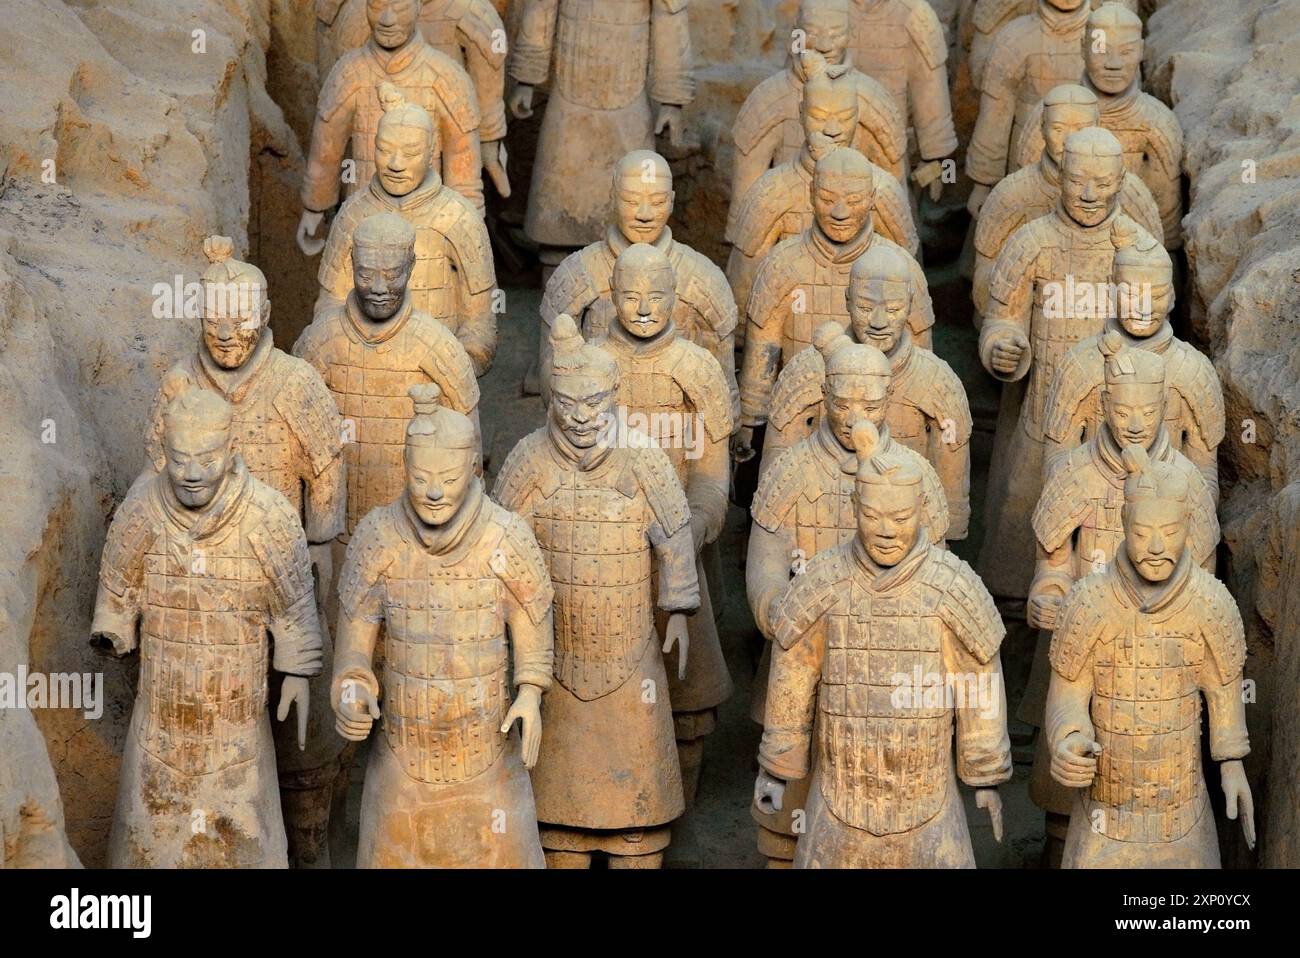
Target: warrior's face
pixel 380 274
pixel 1114 59
pixel 402 157
pixel 643 201
pixel 583 409
pixel 234 314
pixel 1090 186
pixel 392 22
pixel 1155 535
pixel 199 456
pixel 878 310
pixel 1062 119
pixel 849 399
pixel 1066 5
pixel 826 28
pixel 830 109
pixel 889 519
pixel 438 480
pixel 842 204
pixel 1146 297
pixel 644 300
pixel 1133 412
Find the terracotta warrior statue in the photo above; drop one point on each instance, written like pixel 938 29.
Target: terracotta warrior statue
pixel 885 648
pixel 372 350
pixel 927 410
pixel 678 391
pixel 348 112
pixel 1149 130
pixel 780 204
pixel 290 436
pixel 1152 620
pixel 804 505
pixel 454 278
pixel 1035 190
pixel 769 128
pixel 449 574
pixel 901 43
pixel 990 16
pixel 581 287
pixel 470 32
pixel 611 57
pixel 803 282
pixel 206 573
pixel 1194 407
pixel 613 522
pixel 1030 55
pixel 1077 521
pixel 1049 290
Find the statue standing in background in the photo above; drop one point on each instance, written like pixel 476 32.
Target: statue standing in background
pixel 454 278
pixel 206 573
pixel 612 520
pixel 610 57
pixel 462 591
pixel 290 436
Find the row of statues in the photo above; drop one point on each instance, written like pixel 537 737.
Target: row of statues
pixel 544 660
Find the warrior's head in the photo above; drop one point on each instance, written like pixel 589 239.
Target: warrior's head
pixel 644 292
pixel 392 22
pixel 856 387
pixel 383 255
pixel 830 102
pixel 235 306
pixel 1133 394
pixel 441 457
pixel 1156 514
pixel 1113 48
pixel 584 385
pixel 197 440
pixel 405 142
pixel 880 295
pixel 843 194
pixel 1144 280
pixel 825 26
pixel 1092 174
pixel 643 196
pixel 1067 109
pixel 889 501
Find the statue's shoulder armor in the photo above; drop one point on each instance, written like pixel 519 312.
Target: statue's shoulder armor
pixel 1081 623
pixel 811 595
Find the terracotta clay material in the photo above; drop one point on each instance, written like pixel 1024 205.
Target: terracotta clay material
pixel 290 437
pixel 769 129
pixel 990 16
pixel 470 32
pixel 780 205
pixel 348 113
pixel 606 60
pixel 901 43
pixel 927 410
pixel 372 350
pixel 803 282
pixel 453 279
pixel 1151 620
pixel 1035 190
pixel 675 392
pixel 615 526
pixel 1049 290
pixel 865 619
pixel 804 505
pixel 642 202
pixel 1030 55
pixel 1152 138
pixel 461 590
pixel 203 567
pixel 1194 406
